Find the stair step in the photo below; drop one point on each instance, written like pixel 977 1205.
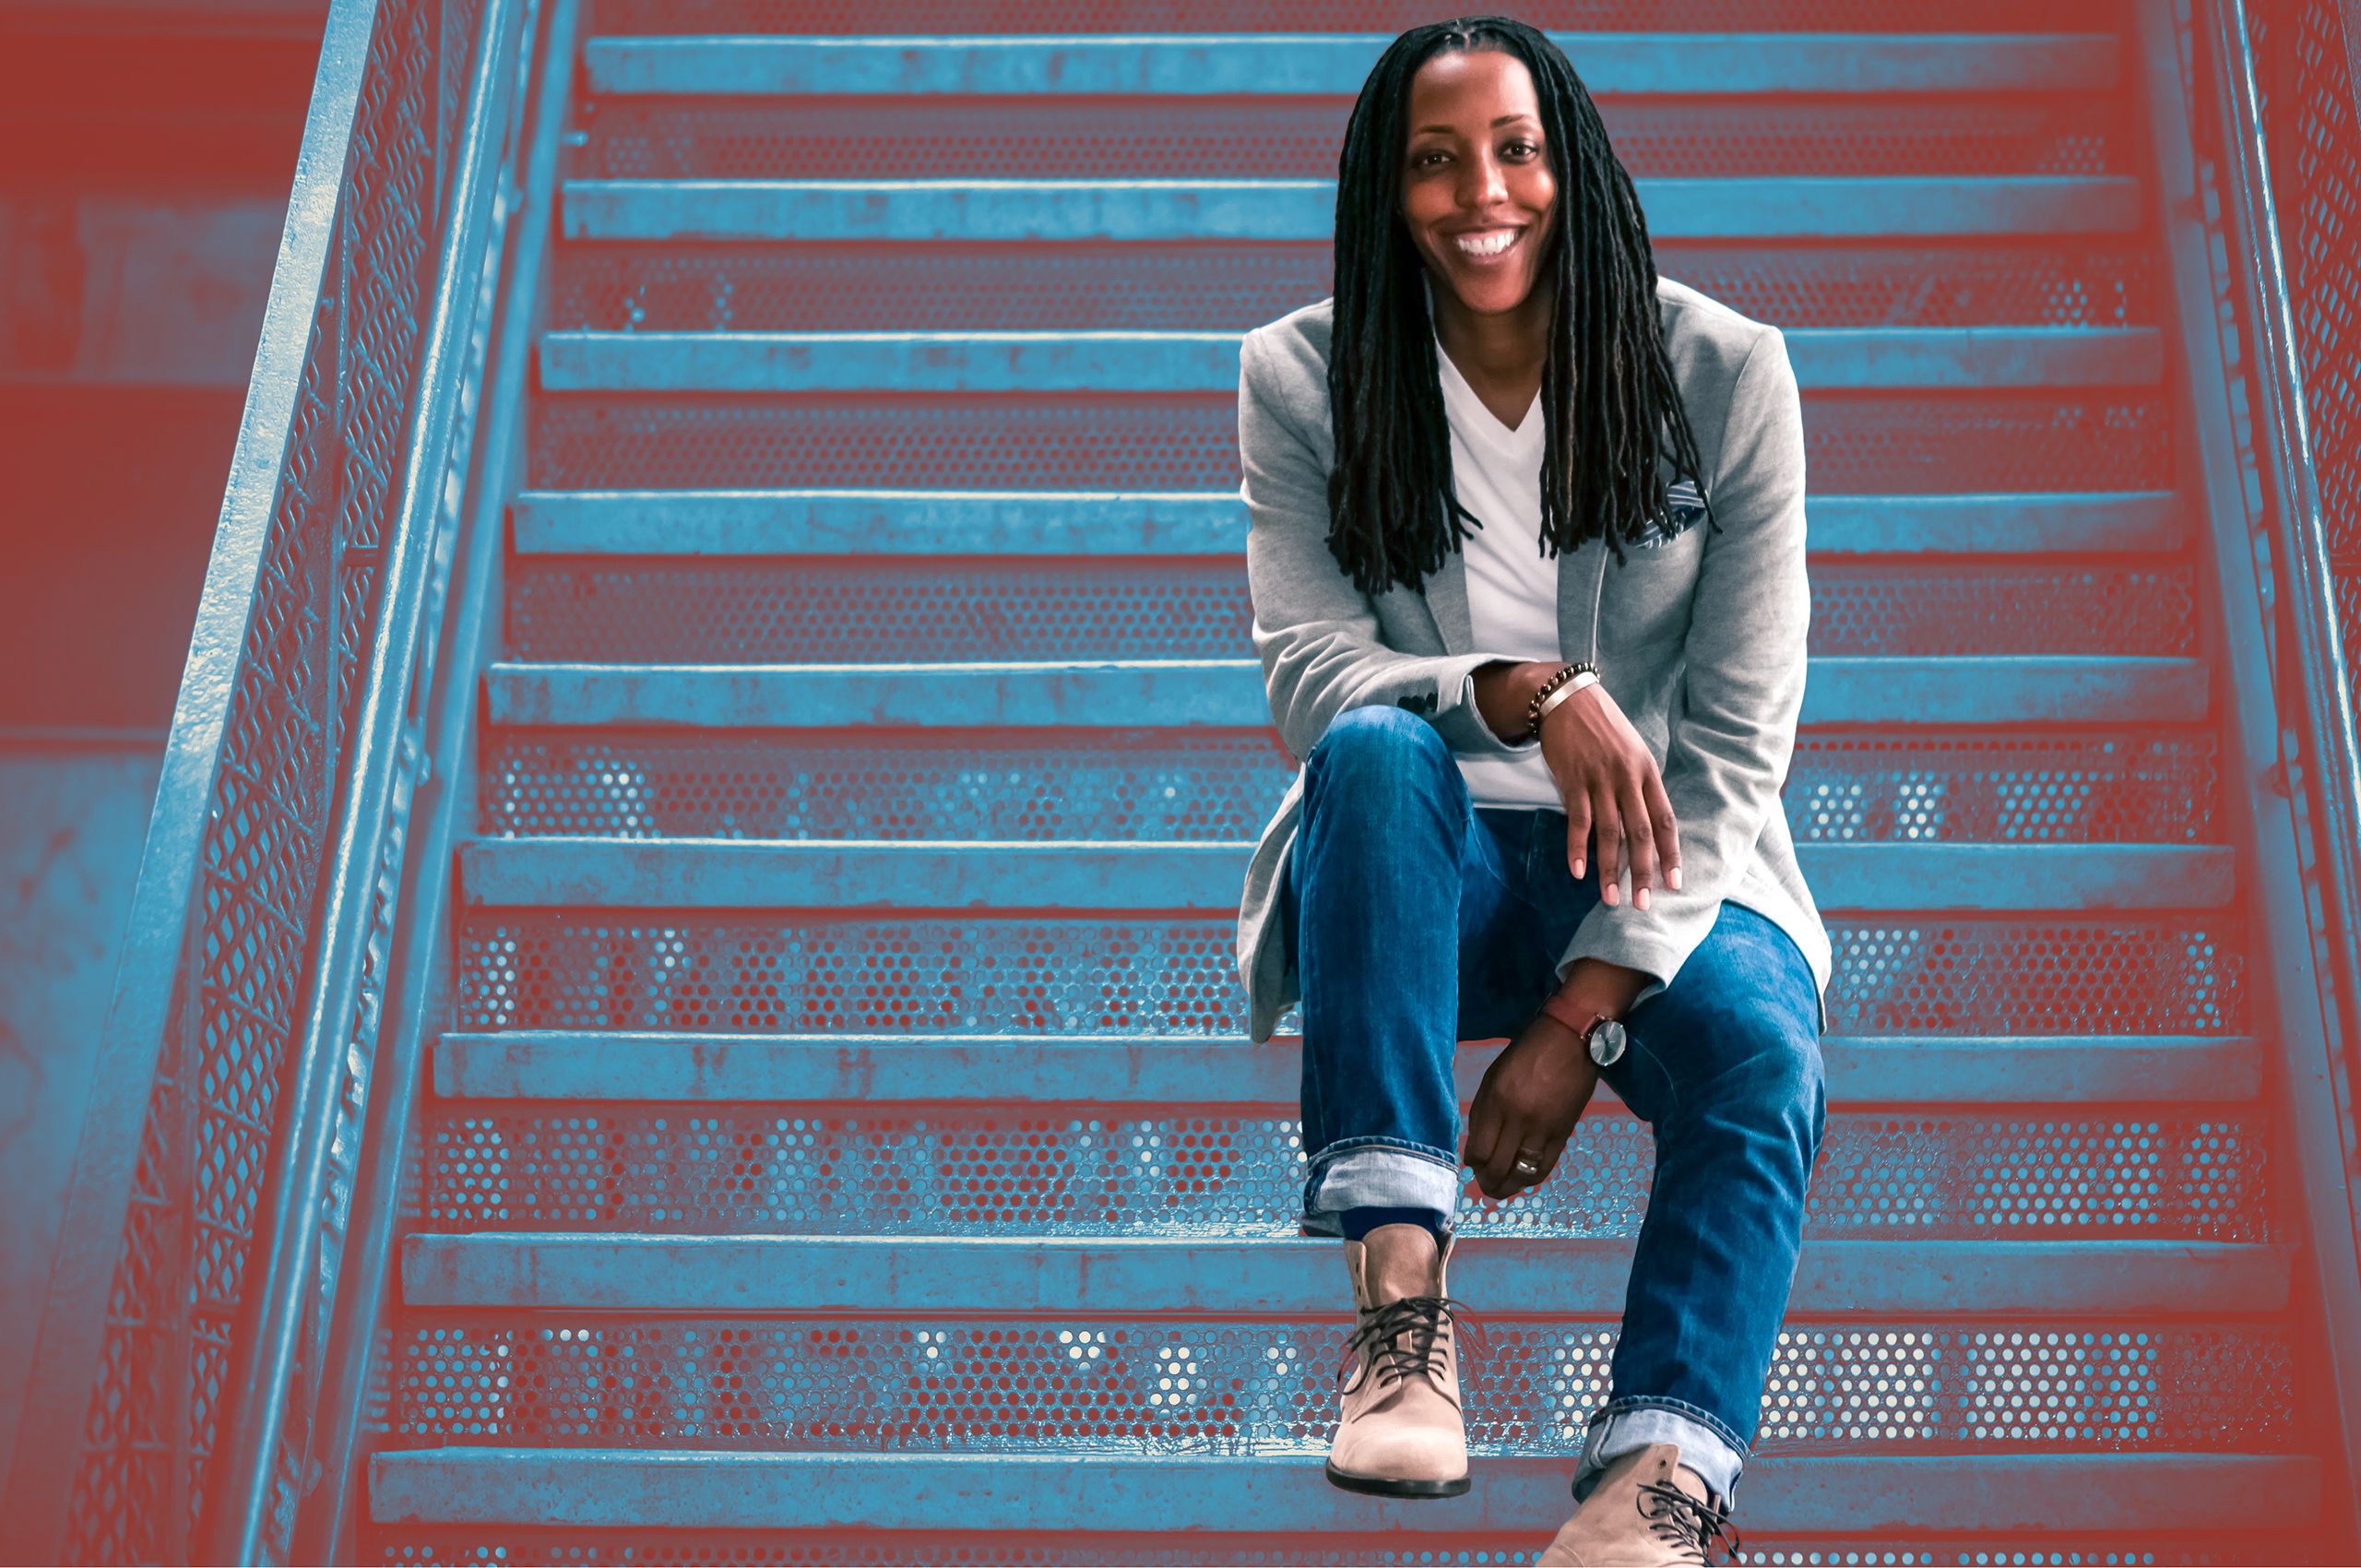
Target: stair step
pixel 1884 690
pixel 895 1274
pixel 715 873
pixel 1128 1070
pixel 1825 359
pixel 1688 65
pixel 1209 1493
pixel 1788 207
pixel 951 522
pixel 1095 1386
pixel 2159 1170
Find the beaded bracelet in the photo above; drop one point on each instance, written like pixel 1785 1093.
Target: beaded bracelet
pixel 1547 696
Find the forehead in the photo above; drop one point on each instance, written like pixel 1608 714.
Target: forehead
pixel 1467 90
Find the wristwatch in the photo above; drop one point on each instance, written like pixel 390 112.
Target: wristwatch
pixel 1601 1031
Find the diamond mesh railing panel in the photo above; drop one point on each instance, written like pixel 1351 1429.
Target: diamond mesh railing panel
pixel 267 745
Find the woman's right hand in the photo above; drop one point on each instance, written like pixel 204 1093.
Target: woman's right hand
pixel 1610 783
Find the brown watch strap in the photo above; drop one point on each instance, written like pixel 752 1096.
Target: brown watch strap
pixel 1581 1020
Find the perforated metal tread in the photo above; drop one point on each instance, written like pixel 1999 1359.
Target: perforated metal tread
pixel 1148 64
pixel 703 286
pixel 661 523
pixel 616 1064
pixel 1004 1168
pixel 1094 1386
pixel 1128 973
pixel 932 1254
pixel 1884 690
pixel 1210 1493
pixel 892 1275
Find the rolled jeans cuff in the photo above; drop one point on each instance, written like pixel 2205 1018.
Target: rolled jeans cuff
pixel 1628 1425
pixel 1376 1172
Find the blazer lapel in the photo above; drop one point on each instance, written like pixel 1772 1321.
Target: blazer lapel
pixel 1446 596
pixel 1447 602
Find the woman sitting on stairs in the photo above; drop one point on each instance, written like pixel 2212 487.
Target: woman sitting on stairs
pixel 1449 861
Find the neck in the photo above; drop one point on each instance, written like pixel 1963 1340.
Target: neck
pixel 1498 348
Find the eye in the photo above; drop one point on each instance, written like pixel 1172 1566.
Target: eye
pixel 1420 162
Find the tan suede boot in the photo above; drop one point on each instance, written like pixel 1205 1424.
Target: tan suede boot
pixel 1647 1511
pixel 1401 1434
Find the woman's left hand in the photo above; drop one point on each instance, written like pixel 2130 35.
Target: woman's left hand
pixel 1531 1098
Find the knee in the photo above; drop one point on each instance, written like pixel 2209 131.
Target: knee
pixel 1380 741
pixel 1775 1080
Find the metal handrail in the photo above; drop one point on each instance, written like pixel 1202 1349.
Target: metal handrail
pixel 317 580
pixel 2320 764
pixel 2315 665
pixel 385 759
pixel 417 958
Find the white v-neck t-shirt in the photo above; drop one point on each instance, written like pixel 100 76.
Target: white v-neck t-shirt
pixel 1512 587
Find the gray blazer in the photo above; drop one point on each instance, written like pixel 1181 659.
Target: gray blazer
pixel 1700 639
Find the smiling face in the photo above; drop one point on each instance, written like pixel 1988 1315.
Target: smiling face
pixel 1474 177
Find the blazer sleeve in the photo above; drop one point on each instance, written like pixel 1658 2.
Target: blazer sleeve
pixel 1315 632
pixel 1734 712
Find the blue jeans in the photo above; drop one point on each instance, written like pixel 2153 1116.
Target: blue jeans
pixel 1420 920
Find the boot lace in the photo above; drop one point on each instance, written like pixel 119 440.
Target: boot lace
pixel 1688 1523
pixel 1398 1338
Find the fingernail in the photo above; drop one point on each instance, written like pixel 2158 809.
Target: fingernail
pixel 1640 899
pixel 1578 871
pixel 1672 879
pixel 1610 893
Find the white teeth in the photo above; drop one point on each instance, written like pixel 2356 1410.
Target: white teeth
pixel 1492 244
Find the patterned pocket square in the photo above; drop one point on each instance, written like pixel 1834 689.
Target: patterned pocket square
pixel 1688 509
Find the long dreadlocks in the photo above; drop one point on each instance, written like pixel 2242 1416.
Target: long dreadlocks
pixel 1610 402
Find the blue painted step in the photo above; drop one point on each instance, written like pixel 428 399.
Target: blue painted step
pixel 1825 359
pixel 895 1274
pixel 1138 64
pixel 559 871
pixel 1207 1493
pixel 1085 694
pixel 1130 1071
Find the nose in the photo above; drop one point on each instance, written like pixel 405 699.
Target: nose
pixel 1489 183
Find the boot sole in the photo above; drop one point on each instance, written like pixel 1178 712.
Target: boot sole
pixel 1388 1486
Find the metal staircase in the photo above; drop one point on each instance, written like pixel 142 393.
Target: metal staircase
pixel 832 1135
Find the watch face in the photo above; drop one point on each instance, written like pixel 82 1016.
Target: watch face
pixel 1607 1042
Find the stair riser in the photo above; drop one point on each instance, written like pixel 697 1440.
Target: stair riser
pixel 820 973
pixel 1212 285
pixel 1853 442
pixel 1097 1386
pixel 870 18
pixel 689 136
pixel 826 610
pixel 2100 789
pixel 749 1168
